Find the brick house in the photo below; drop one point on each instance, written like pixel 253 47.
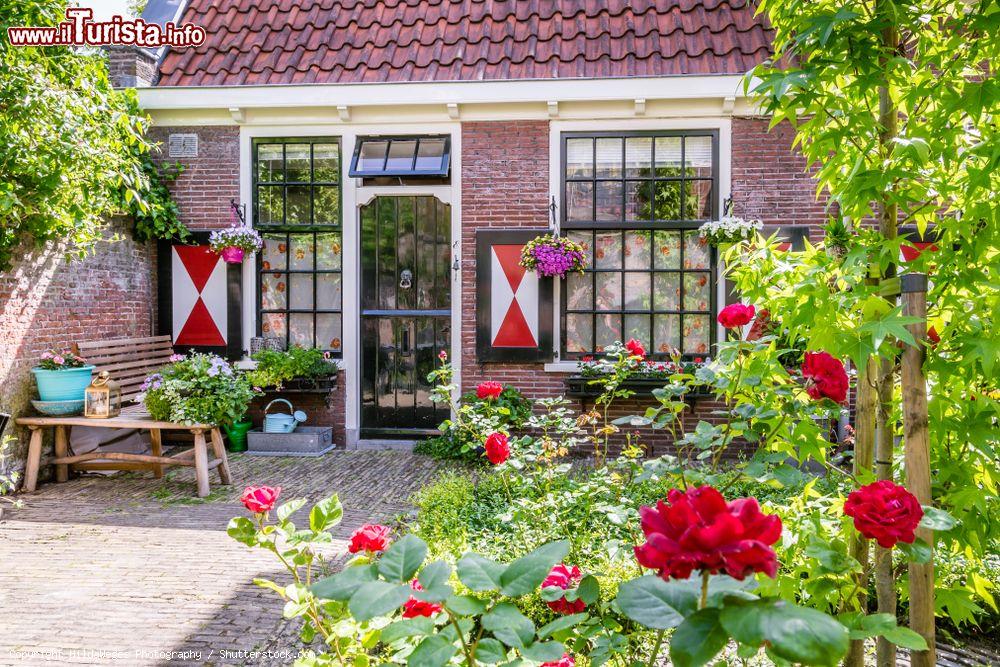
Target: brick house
pixel 393 155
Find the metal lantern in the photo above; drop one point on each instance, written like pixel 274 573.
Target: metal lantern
pixel 103 398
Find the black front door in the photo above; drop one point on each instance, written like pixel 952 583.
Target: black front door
pixel 405 312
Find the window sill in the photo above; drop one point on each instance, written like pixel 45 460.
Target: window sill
pixel 562 367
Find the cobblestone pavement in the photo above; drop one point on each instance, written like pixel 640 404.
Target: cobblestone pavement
pixel 129 570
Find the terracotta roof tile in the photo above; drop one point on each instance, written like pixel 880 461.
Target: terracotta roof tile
pixel 254 42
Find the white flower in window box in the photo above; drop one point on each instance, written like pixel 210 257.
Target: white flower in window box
pixel 729 229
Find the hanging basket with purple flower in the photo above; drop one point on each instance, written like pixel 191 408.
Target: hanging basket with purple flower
pixel 549 255
pixel 233 242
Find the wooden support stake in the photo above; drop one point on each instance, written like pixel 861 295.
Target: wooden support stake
pixel 61 449
pixel 917 456
pixel 885 586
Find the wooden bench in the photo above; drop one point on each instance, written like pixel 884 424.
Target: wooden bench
pixel 129 361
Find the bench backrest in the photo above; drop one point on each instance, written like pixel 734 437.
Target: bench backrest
pixel 127 360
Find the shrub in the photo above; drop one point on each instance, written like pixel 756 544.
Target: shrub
pixel 275 367
pixel 197 389
pixel 462 438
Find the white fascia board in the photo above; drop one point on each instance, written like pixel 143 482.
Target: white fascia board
pixel 440 93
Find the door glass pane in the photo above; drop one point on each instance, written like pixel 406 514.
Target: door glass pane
pixel 273 292
pixel 580 201
pixel 273 256
pixel 697 253
pixel 300 330
pixel 668 250
pixel 609 201
pixel 430 154
pixel 579 158
pixel 326 163
pixel 328 331
pixel 697 291
pixel 273 325
pixel 579 291
pixel 608 250
pixel 300 256
pixel 666 333
pixel 269 163
pixel 609 157
pixel 327 202
pixel 637 291
pixel 372 155
pixel 298 203
pixel 609 291
pixel 696 332
pixel 579 333
pixel 301 294
pixel 668 156
pixel 328 251
pixel 637 254
pixel 638 156
pixel 328 291
pixel 609 330
pixel 297 159
pixel 401 155
pixel 667 291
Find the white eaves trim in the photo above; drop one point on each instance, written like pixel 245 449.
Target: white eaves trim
pixel 442 93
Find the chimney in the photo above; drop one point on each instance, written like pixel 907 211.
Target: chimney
pixel 131 67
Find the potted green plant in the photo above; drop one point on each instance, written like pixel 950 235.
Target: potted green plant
pixel 197 389
pixel 297 369
pixel 62 375
pixel 233 242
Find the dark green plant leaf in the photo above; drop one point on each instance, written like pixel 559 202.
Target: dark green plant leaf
pixel 377 598
pixel 918 552
pixel 589 590
pixel 403 558
pixel 509 625
pixel 654 603
pixel 343 585
pixel 794 633
pixel 906 638
pixel 937 519
pixel 490 651
pixel 434 580
pixel 544 651
pixel 561 623
pixel 698 639
pixel 433 651
pixel 526 574
pixel 479 573
pixel 465 605
pixel 407 627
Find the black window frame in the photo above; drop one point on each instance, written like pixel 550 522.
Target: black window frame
pixel 291 230
pixel 444 168
pixel 652 225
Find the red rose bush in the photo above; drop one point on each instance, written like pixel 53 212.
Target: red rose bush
pixel 884 512
pixel 565 578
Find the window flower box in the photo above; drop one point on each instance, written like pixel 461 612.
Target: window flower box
pixel 580 386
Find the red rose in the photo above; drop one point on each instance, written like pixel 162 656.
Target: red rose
pixel 736 315
pixel 565 578
pixel 699 530
pixel 260 499
pixel 826 376
pixel 414 607
pixel 489 390
pixel 884 512
pixel 635 348
pixel 371 537
pixel 565 661
pixel 497 449
pixel 933 336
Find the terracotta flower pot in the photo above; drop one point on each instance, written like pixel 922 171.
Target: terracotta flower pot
pixel 232 255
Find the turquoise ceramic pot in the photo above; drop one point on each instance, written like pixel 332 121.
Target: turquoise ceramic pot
pixel 67 384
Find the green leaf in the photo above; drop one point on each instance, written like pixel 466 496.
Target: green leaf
pixel 291 507
pixel 526 574
pixel 589 590
pixel 918 552
pixel 509 625
pixel 796 634
pixel 407 627
pixel 561 623
pixel 377 598
pixel 344 584
pixel 490 651
pixel 242 530
pixel 434 580
pixel 326 514
pixel 698 639
pixel 906 638
pixel 654 603
pixel 544 651
pixel 465 605
pixel 401 560
pixel 479 573
pixel 433 651
pixel 937 519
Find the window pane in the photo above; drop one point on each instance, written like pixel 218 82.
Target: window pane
pixel 297 158
pixel 609 158
pixel 328 251
pixel 667 200
pixel 328 331
pixel 300 256
pixel 579 333
pixel 273 294
pixel 273 325
pixel 609 201
pixel 580 201
pixel 637 250
pixel 274 254
pixel 401 155
pixel 668 156
pixel 430 154
pixel 301 291
pixel 697 200
pixel 327 205
pixel 298 205
pixel 666 333
pixel 667 291
pixel 696 332
pixel 697 253
pixel 609 330
pixel 372 155
pixel 269 163
pixel 326 163
pixel 608 250
pixel 270 204
pixel 609 291
pixel 698 157
pixel 579 158
pixel 637 200
pixel 328 291
pixel 668 250
pixel 637 326
pixel 637 291
pixel 300 330
pixel 697 291
pixel 584 239
pixel 638 156
pixel 580 291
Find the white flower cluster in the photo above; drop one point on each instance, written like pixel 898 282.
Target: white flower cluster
pixel 236 236
pixel 729 229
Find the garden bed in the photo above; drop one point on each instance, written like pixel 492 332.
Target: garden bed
pixel 579 386
pixel 323 385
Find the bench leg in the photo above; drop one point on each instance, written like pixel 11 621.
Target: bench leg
pixel 156 444
pixel 220 453
pixel 201 463
pixel 34 459
pixel 62 450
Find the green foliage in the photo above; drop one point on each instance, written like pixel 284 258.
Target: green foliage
pixel 199 389
pixel 275 367
pixel 74 150
pixel 156 215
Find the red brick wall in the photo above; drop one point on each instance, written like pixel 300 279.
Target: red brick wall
pixel 47 301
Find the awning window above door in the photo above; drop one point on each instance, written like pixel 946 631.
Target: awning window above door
pixel 401 156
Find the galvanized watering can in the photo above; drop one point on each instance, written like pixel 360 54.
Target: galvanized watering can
pixel 281 422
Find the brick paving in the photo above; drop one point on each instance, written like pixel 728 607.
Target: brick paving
pixel 136 571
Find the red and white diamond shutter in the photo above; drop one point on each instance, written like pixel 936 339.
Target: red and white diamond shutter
pixel 199 311
pixel 514 313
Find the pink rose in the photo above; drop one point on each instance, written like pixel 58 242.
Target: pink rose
pixel 564 577
pixel 370 537
pixel 260 499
